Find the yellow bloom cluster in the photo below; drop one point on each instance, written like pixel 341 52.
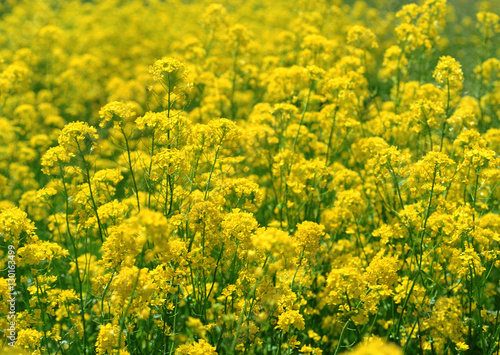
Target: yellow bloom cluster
pixel 250 177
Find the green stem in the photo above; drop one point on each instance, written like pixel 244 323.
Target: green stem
pixel 75 250
pixel 242 313
pixel 136 190
pixel 211 171
pixel 302 117
pixel 89 183
pixel 124 315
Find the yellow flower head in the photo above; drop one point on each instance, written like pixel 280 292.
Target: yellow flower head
pixel 376 346
pixel 308 235
pixel 215 15
pixel 14 223
pixel 361 37
pixel 76 133
pixel 117 112
pixel 53 159
pixel 449 73
pixel 489 23
pixel 107 339
pixel 200 347
pixel 169 70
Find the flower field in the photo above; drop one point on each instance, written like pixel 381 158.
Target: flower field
pixel 249 177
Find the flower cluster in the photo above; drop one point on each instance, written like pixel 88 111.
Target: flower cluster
pixel 250 177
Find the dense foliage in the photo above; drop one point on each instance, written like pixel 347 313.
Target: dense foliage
pixel 249 177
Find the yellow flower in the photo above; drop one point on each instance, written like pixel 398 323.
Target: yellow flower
pixel 239 36
pixel 383 271
pixel 376 346
pixel 394 60
pixel 116 111
pixel 489 70
pixel 197 327
pixel 28 338
pixel 289 318
pixel 153 120
pixel 200 347
pixel 361 37
pixel 54 159
pixel 134 286
pixel 167 162
pixel 171 71
pixel 215 15
pixel 76 133
pixel 489 23
pixel 461 346
pixel 240 226
pixel 107 340
pixel 14 225
pixel 449 73
pixel 308 235
pixel 34 253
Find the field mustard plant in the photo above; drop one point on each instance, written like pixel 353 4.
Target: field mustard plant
pixel 285 177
